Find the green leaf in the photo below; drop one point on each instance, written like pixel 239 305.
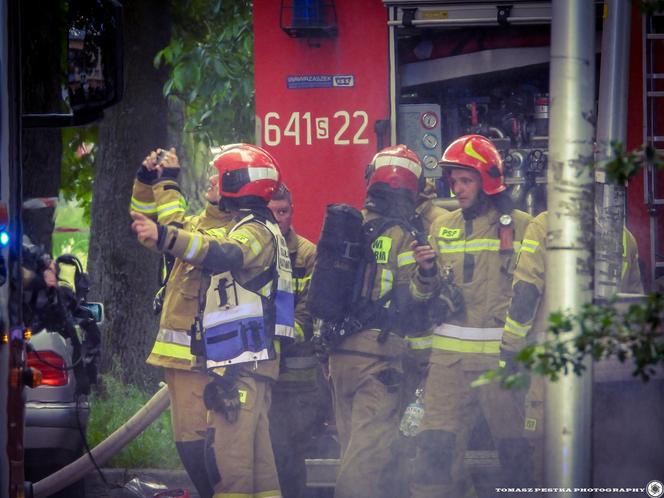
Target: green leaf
pixel 168 87
pixel 179 77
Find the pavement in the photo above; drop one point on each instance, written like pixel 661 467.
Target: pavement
pixel 137 483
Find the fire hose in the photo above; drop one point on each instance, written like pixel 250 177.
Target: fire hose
pixel 106 449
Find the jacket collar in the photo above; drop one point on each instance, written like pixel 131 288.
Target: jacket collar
pixel 213 211
pixel 291 240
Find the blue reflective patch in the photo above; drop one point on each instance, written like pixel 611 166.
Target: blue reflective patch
pixel 285 308
pixel 226 341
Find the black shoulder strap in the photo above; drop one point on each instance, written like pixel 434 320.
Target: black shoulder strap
pixel 270 275
pixel 377 227
pixel 262 279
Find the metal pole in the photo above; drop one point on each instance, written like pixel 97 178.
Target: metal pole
pixel 569 234
pixel 611 126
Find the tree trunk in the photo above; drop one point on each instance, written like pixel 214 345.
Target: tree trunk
pixel 123 273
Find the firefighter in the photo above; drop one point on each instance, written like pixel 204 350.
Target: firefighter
pixel 156 194
pixel 526 320
pixel 298 397
pixel 247 306
pixel 479 242
pixel 365 367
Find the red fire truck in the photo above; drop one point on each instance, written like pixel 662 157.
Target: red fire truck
pixel 336 80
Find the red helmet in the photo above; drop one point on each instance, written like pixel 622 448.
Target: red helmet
pixel 396 166
pixel 247 170
pixel 477 153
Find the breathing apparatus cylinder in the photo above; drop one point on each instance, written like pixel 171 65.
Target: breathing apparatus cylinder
pixel 339 256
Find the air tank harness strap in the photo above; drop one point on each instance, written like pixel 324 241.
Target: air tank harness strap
pixel 374 315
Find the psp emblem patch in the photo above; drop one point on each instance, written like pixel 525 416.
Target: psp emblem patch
pixel 449 233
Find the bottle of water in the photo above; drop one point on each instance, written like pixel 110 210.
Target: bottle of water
pixel 412 416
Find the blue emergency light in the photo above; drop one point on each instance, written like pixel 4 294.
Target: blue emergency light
pixel 307 12
pixel 4 238
pixel 308 18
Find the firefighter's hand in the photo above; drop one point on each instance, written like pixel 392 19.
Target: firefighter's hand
pixel 163 162
pixel 146 230
pixel 169 158
pixel 425 256
pixel 169 165
pixel 151 161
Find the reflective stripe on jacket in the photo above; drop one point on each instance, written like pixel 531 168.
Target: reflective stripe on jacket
pixel 142 200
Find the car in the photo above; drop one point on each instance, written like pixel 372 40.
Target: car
pixel 56 416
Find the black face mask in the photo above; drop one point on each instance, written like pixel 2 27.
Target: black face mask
pixel 386 201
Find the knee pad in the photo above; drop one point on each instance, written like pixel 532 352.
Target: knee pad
pixel 434 457
pixel 192 457
pixel 516 460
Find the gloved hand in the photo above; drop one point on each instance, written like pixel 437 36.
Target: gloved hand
pixel 145 175
pixel 221 395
